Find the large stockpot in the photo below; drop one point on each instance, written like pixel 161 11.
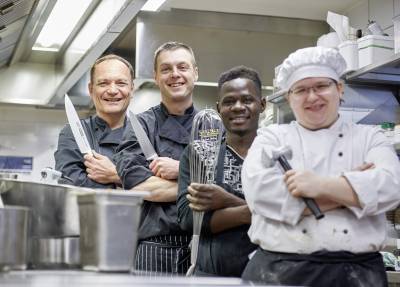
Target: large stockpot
pixel 13 237
pixel 54 207
pixel 53 237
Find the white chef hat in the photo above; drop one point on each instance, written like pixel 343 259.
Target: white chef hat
pixel 310 62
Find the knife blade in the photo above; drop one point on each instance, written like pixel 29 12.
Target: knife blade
pixel 142 138
pixel 76 127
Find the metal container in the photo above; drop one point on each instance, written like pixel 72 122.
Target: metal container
pixel 54 207
pixel 54 253
pixel 53 236
pixel 13 237
pixel 109 222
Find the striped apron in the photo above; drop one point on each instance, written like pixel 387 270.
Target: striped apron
pixel 165 255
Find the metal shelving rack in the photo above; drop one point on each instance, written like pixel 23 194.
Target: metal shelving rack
pixel 386 72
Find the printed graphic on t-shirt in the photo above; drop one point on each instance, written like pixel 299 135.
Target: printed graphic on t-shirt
pixel 232 171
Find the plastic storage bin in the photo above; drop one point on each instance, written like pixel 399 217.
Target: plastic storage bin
pixel 109 222
pixel 374 48
pixel 349 51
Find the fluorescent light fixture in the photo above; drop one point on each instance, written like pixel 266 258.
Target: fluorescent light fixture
pixel 96 25
pixel 267 88
pixel 152 5
pixel 62 20
pixel 45 49
pixel 206 84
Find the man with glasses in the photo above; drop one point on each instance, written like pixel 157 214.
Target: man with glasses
pixel 350 170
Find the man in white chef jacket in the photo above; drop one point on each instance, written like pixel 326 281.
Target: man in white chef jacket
pixel 351 171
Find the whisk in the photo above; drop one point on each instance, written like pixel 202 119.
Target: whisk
pixel 204 148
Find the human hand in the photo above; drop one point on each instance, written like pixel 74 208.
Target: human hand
pixel 100 168
pixel 304 183
pixel 165 167
pixel 203 197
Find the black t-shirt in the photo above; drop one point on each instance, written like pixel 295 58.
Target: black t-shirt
pixel 224 253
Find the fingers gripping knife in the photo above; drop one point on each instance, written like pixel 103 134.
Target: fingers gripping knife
pixel 281 156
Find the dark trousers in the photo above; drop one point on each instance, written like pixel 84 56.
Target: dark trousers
pixel 163 255
pixel 322 268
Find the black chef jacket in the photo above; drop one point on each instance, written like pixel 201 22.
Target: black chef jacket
pixel 224 253
pixel 69 159
pixel 169 135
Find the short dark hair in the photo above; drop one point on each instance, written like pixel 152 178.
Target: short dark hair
pixel 171 46
pixel 111 57
pixel 240 72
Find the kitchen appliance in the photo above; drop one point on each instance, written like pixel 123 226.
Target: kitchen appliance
pixel 53 233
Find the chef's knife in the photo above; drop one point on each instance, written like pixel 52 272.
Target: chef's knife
pixel 76 127
pixel 142 138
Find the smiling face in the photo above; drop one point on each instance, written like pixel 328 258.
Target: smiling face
pixel 240 105
pixel 111 88
pixel 315 110
pixel 175 75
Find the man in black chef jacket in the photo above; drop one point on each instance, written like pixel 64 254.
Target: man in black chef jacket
pixel 163 245
pixel 111 89
pixel 224 244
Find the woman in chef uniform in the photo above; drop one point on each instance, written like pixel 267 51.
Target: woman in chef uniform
pixel 351 171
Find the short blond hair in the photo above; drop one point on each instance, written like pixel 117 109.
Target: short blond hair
pixel 172 46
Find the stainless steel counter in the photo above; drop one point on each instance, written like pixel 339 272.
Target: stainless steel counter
pixel 62 278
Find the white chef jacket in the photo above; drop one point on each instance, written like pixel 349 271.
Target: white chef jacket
pixel 277 221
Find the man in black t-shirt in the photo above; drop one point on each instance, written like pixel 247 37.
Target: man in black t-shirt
pixel 224 244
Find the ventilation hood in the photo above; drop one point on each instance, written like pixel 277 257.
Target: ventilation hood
pixel 42 78
pixel 222 40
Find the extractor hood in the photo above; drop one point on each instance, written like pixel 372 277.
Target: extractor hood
pixel 222 40
pixel 42 78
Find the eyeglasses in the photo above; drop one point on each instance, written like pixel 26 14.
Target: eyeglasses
pixel 319 89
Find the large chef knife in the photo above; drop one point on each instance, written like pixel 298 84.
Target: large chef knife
pixel 142 138
pixel 76 127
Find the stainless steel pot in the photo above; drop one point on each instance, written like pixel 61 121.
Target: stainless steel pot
pixel 13 237
pixel 54 207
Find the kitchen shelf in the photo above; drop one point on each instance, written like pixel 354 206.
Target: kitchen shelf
pixel 385 72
